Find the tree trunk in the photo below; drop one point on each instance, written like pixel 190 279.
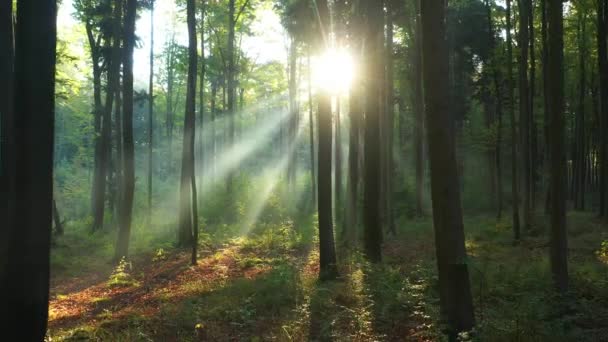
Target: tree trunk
pixel 558 240
pixel 390 117
pixel 24 288
pixel 533 127
pixel 327 251
pixel 98 191
pixel 602 24
pixel 187 210
pixel 372 229
pixel 128 184
pixel 312 134
pixel 454 284
pixel 418 104
pixel 201 99
pixel 7 138
pixel 338 164
pixel 57 220
pixel 293 114
pixel 514 182
pixel 151 110
pixel 524 107
pixel 231 93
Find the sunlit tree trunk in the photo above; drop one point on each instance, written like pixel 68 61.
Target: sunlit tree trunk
pixel 374 38
pixel 327 251
pixel 231 91
pixel 312 133
pixel 187 211
pixel 24 289
pixel 454 286
pixel 128 182
pixel 293 113
pixel 98 191
pixel 558 240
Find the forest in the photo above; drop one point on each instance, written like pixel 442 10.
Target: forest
pixel 304 170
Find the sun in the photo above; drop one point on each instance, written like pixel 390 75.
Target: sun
pixel 333 71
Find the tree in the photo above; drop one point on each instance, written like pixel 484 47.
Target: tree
pixel 454 286
pixel 327 251
pixel 524 106
pixel 151 109
pixel 602 48
pixel 7 118
pixel 418 107
pixel 128 182
pixel 188 220
pixel 514 182
pixel 389 118
pixel 555 68
pixel 24 285
pixel 374 37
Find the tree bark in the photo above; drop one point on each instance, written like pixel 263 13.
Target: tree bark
pixel 312 134
pixel 24 289
pixel 558 240
pixel 372 229
pixel 602 24
pixel 524 107
pixel 187 211
pixel 327 251
pixel 151 111
pixel 455 293
pixel 514 182
pixel 390 117
pixel 128 183
pixel 418 104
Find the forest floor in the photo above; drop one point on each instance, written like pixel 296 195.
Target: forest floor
pixel 264 287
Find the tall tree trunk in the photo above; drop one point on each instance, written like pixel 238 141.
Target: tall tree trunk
pixel 390 117
pixel 456 300
pixel 602 24
pixel 418 104
pixel 312 133
pixel 231 92
pixel 580 156
pixel 558 240
pixel 533 127
pixel 327 251
pixel 98 191
pixel 213 110
pixel 293 114
pixel 151 110
pixel 499 105
pixel 372 229
pixel 128 183
pixel 187 211
pixel 201 98
pixel 338 164
pixel 7 120
pixel 514 182
pixel 24 289
pixel 524 107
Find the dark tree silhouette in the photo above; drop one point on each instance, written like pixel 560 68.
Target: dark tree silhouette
pixel 24 282
pixel 559 241
pixel 454 286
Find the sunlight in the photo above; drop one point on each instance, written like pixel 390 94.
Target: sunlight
pixel 333 71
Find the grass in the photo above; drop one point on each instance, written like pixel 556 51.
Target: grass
pixel 263 286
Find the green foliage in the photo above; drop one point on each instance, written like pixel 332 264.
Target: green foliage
pixel 121 276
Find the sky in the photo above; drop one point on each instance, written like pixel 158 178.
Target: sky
pixel 266 44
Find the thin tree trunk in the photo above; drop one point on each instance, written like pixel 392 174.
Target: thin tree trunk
pixel 390 117
pixel 338 164
pixel 312 133
pixel 231 92
pixel 533 128
pixel 151 111
pixel 418 104
pixel 602 24
pixel 514 182
pixel 524 107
